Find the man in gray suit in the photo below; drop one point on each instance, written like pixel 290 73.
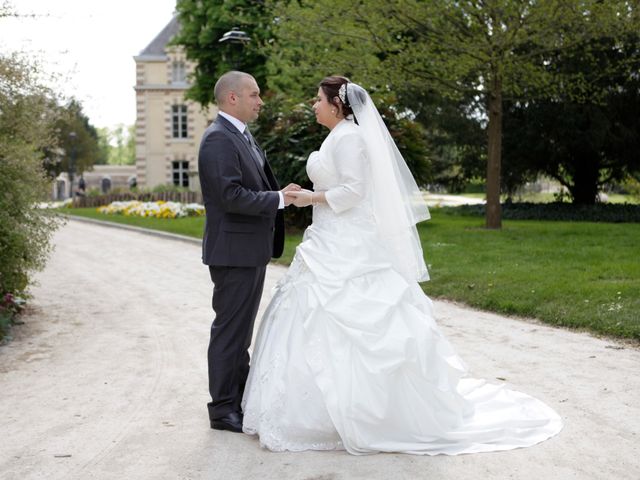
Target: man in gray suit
pixel 244 228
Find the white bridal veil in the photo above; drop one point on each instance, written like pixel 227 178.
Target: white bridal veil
pixel 398 203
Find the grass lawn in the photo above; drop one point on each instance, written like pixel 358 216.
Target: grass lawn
pixel 189 226
pixel 576 274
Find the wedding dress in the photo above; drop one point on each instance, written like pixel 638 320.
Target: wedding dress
pixel 348 354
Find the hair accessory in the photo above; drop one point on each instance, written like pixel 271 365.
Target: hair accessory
pixel 342 93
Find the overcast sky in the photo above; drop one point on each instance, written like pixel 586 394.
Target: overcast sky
pixel 90 45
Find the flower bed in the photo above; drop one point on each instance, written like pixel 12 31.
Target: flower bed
pixel 59 204
pixel 157 209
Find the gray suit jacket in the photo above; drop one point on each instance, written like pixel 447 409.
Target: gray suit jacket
pixel 244 227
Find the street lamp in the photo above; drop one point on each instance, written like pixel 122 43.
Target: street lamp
pixel 235 37
pixel 72 162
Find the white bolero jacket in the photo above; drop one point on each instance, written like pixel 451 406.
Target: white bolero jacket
pixel 341 168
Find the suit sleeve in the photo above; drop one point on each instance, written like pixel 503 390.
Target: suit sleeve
pixel 220 168
pixel 351 163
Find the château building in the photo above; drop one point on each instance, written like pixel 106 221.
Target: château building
pixel 168 127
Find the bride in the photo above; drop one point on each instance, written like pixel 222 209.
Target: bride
pixel 348 354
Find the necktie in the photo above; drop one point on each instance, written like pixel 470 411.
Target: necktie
pixel 254 146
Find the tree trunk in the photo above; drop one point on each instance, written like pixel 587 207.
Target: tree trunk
pixel 584 187
pixel 494 158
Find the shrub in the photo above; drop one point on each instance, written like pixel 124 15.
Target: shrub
pixel 164 188
pixel 600 212
pixel 631 186
pixel 25 229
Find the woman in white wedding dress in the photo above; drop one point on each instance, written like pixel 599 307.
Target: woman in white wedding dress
pixel 348 354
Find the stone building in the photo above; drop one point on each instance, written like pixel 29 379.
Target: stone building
pixel 101 178
pixel 168 127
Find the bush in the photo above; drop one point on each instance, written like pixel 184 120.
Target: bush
pixel 162 189
pixel 600 212
pixel 25 229
pixel 631 186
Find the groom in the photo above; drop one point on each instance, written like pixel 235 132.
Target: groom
pixel 244 228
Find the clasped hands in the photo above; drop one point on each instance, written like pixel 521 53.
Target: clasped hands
pixel 296 195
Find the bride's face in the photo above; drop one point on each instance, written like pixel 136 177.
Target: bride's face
pixel 325 112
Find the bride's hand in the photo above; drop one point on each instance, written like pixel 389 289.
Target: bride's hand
pixel 302 198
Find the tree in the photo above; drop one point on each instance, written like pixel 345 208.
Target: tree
pixel 104 145
pixel 487 50
pixel 454 136
pixel 76 141
pixel 203 23
pixel 584 144
pixel 286 128
pixel 118 144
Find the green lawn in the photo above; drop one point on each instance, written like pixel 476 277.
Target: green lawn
pixel 576 274
pixel 190 226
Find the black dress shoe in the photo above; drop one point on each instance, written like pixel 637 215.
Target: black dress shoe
pixel 232 422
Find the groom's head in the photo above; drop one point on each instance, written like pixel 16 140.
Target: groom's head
pixel 238 94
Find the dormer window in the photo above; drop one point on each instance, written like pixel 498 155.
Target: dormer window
pixel 178 72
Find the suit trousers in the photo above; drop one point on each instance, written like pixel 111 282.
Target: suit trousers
pixel 236 297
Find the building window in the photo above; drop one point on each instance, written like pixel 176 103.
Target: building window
pixel 179 120
pixel 180 173
pixel 178 72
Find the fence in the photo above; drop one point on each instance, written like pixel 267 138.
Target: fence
pixel 182 197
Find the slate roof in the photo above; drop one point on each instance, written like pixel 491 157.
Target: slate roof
pixel 157 46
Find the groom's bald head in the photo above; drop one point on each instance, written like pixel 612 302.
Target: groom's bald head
pixel 238 94
pixel 232 81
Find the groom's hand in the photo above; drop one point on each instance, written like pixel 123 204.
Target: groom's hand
pixel 292 187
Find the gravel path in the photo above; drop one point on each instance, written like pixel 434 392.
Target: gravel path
pixel 107 380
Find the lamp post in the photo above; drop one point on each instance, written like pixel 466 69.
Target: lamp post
pixel 237 39
pixel 72 162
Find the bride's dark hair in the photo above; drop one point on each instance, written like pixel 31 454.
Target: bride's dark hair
pixel 330 86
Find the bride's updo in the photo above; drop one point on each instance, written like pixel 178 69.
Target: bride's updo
pixel 331 88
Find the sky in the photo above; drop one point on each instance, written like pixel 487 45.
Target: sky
pixel 89 45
